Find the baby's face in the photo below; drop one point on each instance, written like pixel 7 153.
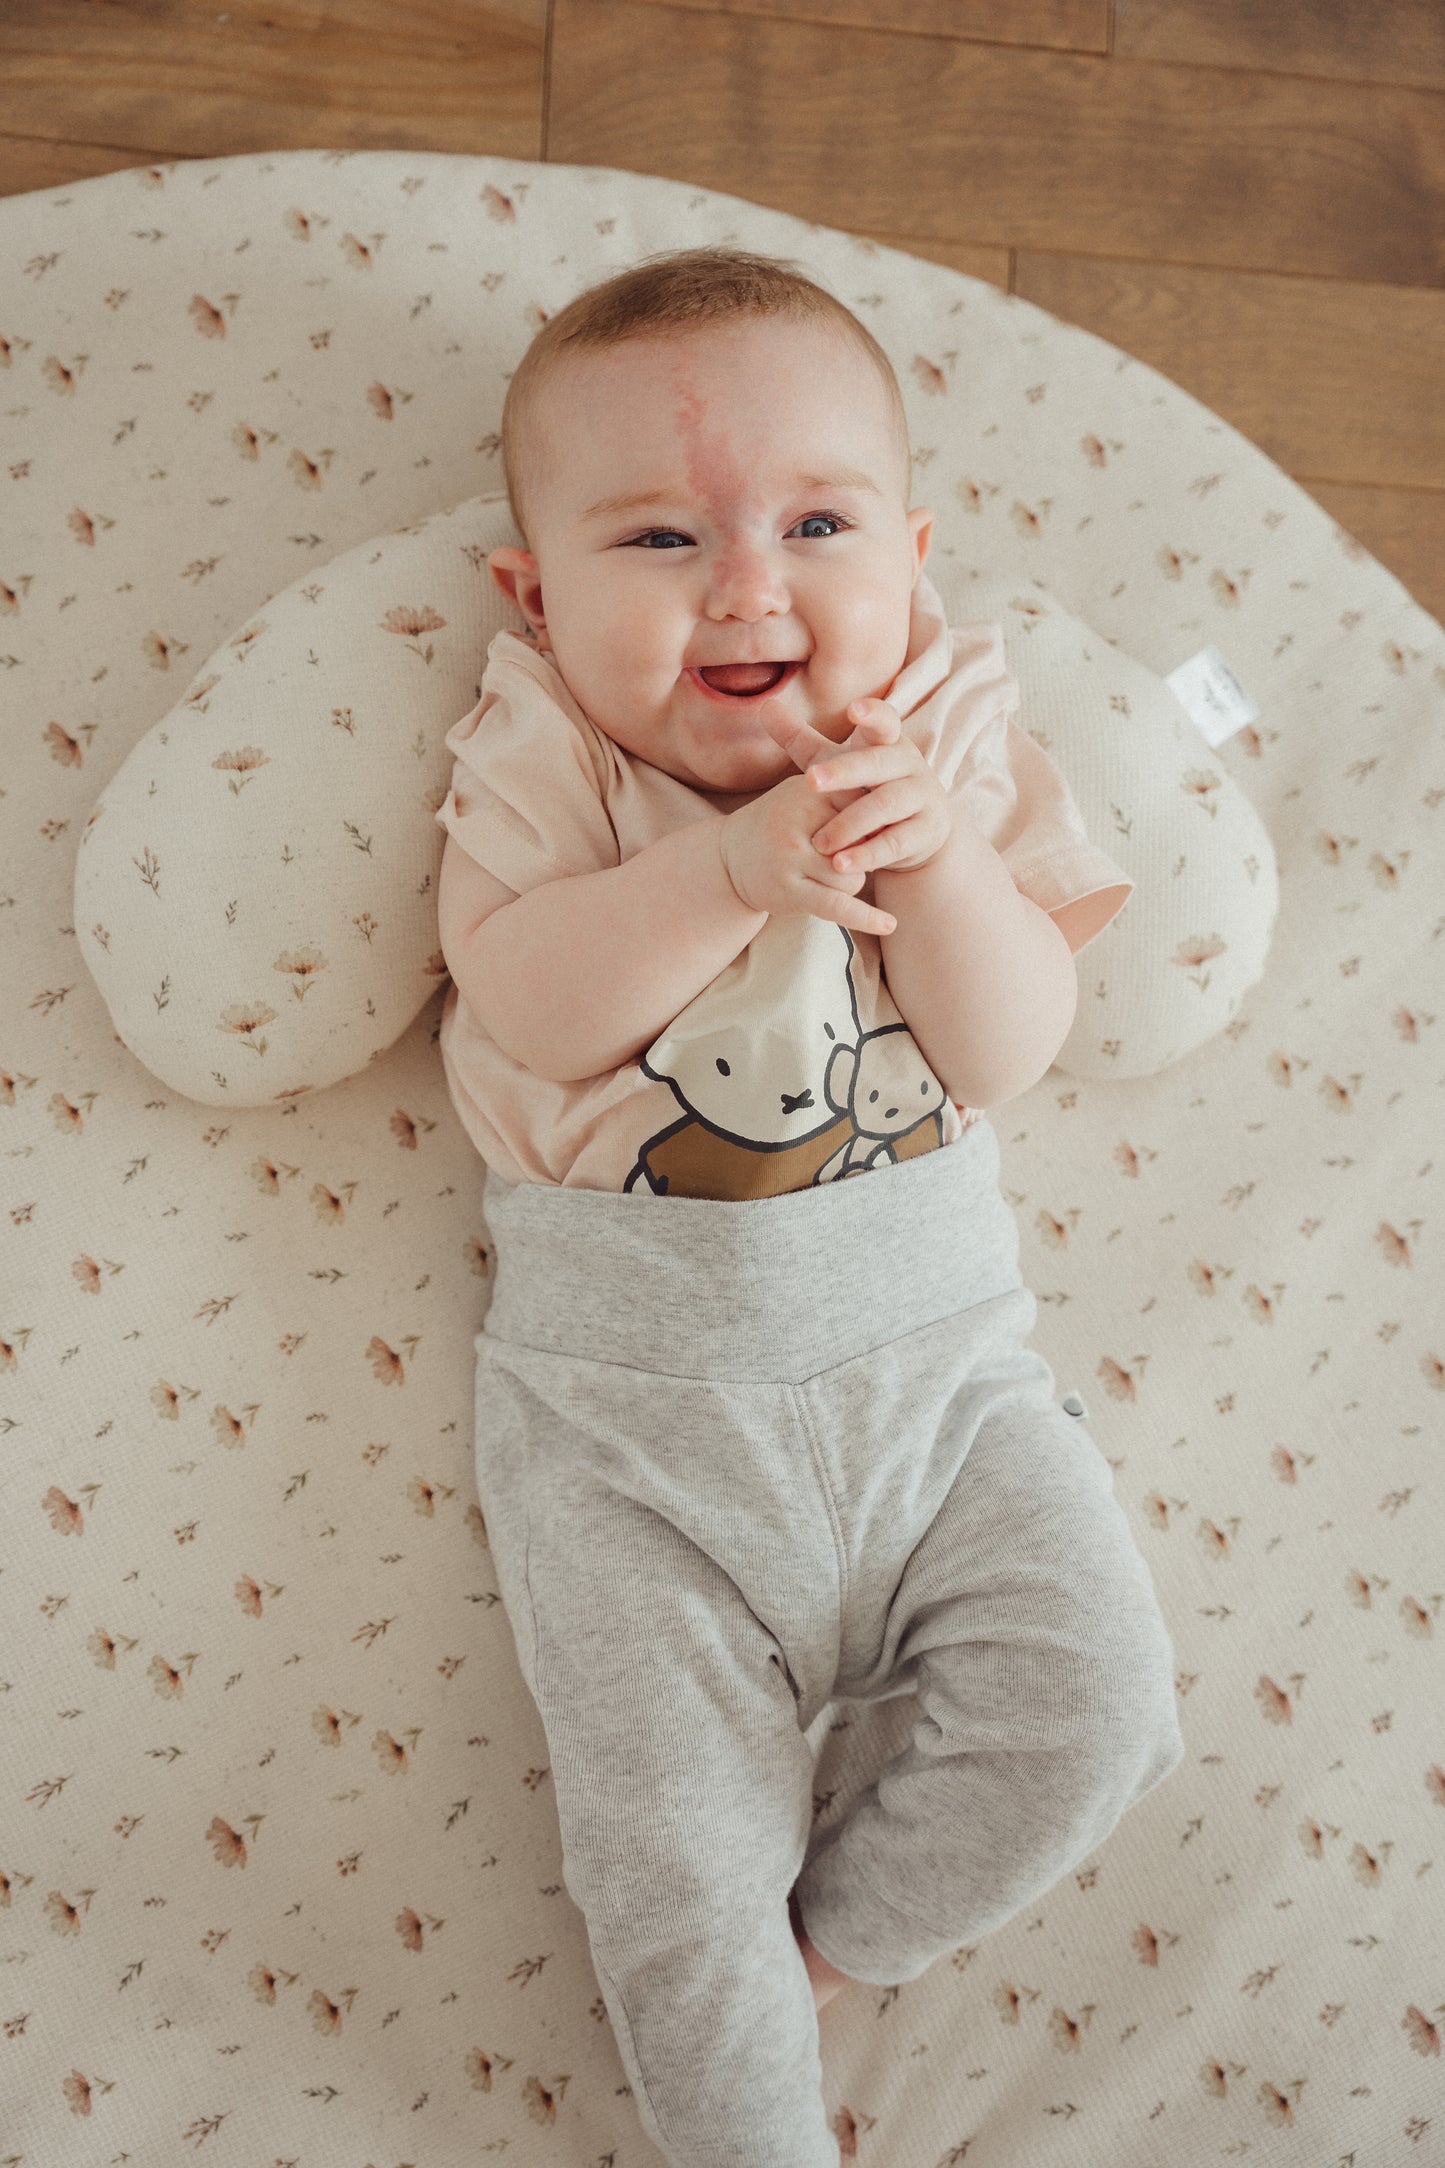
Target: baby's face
pixel 779 533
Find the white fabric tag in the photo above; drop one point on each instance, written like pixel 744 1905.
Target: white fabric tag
pixel 1211 695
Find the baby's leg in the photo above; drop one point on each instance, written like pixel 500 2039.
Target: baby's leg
pixel 684 1790
pixel 1045 1684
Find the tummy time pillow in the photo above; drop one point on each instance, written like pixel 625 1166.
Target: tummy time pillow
pixel 255 890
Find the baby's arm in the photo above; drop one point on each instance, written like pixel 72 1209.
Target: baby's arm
pixel 578 976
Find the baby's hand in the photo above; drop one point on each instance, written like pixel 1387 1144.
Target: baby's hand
pixel 906 820
pixel 767 848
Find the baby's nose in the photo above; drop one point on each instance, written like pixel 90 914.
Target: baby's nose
pixel 748 583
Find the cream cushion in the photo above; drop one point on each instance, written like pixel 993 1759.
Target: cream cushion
pixel 256 885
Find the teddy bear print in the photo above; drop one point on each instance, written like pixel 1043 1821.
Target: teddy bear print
pixel 792 1067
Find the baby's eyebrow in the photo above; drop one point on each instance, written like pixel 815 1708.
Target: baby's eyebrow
pixel 648 499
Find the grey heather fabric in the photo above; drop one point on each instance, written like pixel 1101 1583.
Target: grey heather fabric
pixel 740 1459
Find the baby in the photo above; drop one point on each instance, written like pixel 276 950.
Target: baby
pixel 753 885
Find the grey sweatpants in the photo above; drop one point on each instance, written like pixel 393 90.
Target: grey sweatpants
pixel 740 1459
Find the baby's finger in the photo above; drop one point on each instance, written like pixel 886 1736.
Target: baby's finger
pixel 850 911
pixel 800 741
pixel 878 722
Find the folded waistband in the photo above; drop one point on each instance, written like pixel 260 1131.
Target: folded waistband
pixel 757 1288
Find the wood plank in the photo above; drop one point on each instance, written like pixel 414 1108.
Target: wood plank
pixel 162 79
pixel 1044 151
pixel 28 162
pixel 1332 379
pixel 1388 41
pixel 1070 26
pixel 993 264
pixel 1403 528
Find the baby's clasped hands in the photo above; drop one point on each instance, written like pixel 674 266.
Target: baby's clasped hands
pixel 899 814
pixel 807 845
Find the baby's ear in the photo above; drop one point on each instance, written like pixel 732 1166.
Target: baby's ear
pixel 515 572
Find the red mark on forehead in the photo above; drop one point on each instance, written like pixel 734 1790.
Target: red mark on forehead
pixel 713 467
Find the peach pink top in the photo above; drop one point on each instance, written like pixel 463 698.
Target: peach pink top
pixel 793 1065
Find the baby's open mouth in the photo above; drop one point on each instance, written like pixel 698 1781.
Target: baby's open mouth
pixel 744 680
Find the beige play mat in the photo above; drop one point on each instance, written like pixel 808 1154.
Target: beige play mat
pixel 280 1875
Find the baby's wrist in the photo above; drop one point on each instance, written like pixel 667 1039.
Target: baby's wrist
pixel 724 827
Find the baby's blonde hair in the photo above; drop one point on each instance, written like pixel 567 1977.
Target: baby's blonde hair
pixel 667 294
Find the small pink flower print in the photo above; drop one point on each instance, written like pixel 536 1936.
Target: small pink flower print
pixel 168 1681
pixel 410 620
pixel 1198 949
pixel 408 1926
pixel 327 1726
pixel 1394 1249
pixel 63 748
pixel 229 1848
pixel 77 2091
pixel 86 1274
pixel 325 2014
pixel 208 321
pixel 542 2103
pixel 499 206
pixel 66 1517
pixel 243 762
pixel 1424 2037
pixel 386 1365
pixel 262 1982
pixel 390 1753
pixel 248 1596
pixel 1145 1944
pixel 64 1919
pixel 479 2066
pixel 1118 1383
pixel 1066 2031
pixel 928 375
pixel 301 966
pixel 1364 1866
pixel 1274 1702
pixel 1276 2104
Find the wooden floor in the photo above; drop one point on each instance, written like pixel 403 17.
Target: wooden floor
pixel 1248 194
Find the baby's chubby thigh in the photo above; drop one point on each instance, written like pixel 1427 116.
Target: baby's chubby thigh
pixel 682 1777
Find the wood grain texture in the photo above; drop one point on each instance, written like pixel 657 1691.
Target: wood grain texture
pixel 993 264
pixel 1403 528
pixel 1371 41
pixel 158 79
pixel 1045 151
pixel 1064 25
pixel 1334 380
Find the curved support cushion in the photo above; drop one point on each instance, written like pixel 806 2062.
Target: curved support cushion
pixel 255 891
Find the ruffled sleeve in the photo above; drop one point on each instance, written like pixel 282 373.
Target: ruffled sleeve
pixel 527 798
pixel 1008 786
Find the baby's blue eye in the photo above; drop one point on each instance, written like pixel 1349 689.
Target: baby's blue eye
pixel 660 534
